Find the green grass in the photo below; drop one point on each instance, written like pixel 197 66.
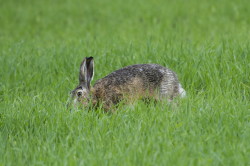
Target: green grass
pixel 205 42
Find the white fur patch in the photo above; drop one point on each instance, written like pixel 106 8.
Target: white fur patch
pixel 182 92
pixel 93 71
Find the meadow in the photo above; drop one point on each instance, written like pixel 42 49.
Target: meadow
pixel 207 43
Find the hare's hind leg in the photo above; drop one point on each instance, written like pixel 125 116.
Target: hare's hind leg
pixel 171 91
pixel 167 89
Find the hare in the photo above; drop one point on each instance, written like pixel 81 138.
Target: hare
pixel 129 83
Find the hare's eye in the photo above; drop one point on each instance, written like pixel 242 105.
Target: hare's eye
pixel 79 93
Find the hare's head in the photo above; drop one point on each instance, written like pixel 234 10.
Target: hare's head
pixel 81 94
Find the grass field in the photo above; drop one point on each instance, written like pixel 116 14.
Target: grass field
pixel 207 43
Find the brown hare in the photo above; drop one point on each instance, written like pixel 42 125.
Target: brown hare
pixel 129 83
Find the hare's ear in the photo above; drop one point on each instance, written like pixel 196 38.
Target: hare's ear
pixel 86 71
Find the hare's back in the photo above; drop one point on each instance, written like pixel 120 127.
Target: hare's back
pixel 140 76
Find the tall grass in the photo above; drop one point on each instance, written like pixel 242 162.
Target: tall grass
pixel 205 42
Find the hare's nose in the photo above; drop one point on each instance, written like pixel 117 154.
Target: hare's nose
pixel 79 94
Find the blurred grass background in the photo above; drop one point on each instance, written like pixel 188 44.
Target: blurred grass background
pixel 205 42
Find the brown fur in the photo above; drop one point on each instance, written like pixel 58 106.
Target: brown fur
pixel 109 94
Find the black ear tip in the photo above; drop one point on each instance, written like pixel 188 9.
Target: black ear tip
pixel 89 58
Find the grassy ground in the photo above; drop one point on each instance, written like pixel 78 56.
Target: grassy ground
pixel 205 42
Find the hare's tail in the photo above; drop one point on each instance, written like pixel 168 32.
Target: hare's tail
pixel 182 92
